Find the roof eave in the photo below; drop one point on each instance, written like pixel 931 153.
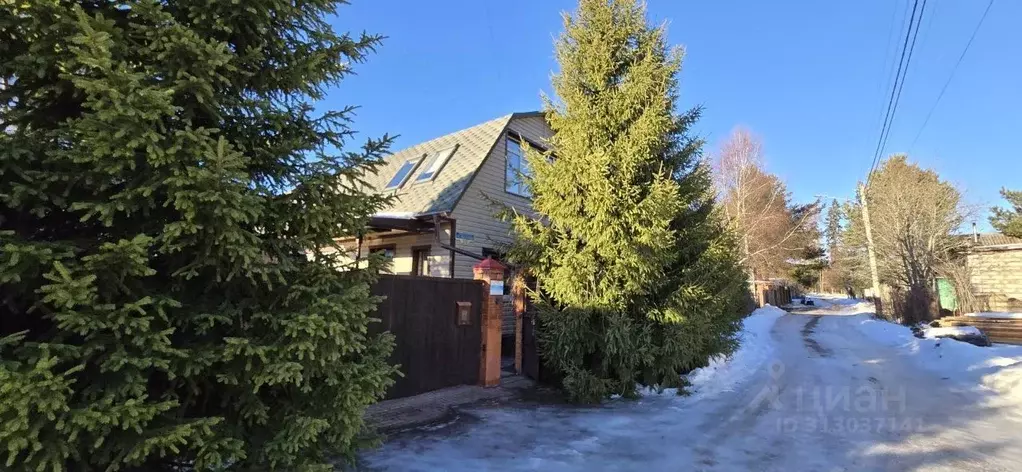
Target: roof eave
pixel 997 247
pixel 418 222
pixel 528 114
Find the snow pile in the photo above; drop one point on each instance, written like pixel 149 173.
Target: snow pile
pixel 929 332
pixel 724 374
pixel 886 333
pixel 997 368
pixel 996 314
pixel 400 215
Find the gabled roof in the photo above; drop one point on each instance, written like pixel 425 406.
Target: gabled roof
pixel 442 193
pixel 993 240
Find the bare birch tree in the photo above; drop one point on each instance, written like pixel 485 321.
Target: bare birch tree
pixel 756 204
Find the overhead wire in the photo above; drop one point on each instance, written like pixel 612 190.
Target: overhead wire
pixel 943 89
pixel 908 60
pixel 910 33
pixel 890 52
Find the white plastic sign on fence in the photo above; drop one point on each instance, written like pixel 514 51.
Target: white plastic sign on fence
pixel 496 287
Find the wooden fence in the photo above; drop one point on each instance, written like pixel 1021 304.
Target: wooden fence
pixel 432 348
pixel 999 330
pixel 769 292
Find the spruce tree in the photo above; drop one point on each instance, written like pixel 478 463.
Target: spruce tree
pixel 638 279
pixel 833 229
pixel 1008 221
pixel 167 195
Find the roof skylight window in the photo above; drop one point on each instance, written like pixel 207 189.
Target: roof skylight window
pixel 434 164
pixel 403 173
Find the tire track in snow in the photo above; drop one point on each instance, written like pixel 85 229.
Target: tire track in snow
pixel 812 344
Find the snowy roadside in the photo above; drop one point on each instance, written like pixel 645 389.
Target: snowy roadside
pixel 616 435
pixel 932 333
pixel 724 374
pixel 996 369
pixel 831 304
pixel 995 314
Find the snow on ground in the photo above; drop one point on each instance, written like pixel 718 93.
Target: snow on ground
pixel 995 314
pixel 842 302
pixel 618 435
pixel 997 368
pixel 832 304
pixel 929 332
pixel 783 416
pixel 724 374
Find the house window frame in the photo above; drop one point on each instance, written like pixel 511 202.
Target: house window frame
pixel 417 260
pixel 522 142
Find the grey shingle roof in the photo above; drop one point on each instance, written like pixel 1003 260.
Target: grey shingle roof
pixel 442 193
pixel 995 239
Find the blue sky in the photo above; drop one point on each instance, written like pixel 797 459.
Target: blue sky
pixel 811 78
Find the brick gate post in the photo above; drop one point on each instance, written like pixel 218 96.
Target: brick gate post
pixel 491 272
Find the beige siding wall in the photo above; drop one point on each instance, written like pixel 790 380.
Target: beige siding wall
pixel 475 212
pixel 439 259
pixel 534 128
pixel 996 278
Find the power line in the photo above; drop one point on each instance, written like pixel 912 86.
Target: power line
pixel 890 101
pixel 932 10
pixel 953 70
pixel 889 53
pixel 908 60
pixel 899 76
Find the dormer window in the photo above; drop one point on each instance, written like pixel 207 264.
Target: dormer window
pixel 434 164
pixel 403 173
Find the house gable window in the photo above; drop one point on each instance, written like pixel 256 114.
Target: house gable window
pixel 516 169
pixel 434 164
pixel 403 173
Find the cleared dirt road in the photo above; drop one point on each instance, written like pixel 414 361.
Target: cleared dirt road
pixel 828 399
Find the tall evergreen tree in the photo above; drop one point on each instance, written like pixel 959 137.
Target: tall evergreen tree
pixel 166 190
pixel 833 229
pixel 1008 221
pixel 639 280
pixel 808 269
pixel 809 258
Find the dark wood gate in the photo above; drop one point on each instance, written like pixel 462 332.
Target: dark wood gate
pixel 432 349
pixel 530 348
pixel 532 358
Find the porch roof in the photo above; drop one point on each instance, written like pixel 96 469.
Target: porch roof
pixel 416 223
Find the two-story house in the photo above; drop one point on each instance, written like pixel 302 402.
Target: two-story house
pixel 447 193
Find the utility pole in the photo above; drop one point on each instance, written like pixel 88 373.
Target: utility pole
pixel 869 243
